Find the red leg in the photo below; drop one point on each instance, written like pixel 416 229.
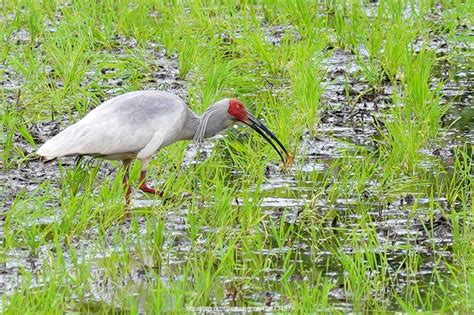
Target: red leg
pixel 144 187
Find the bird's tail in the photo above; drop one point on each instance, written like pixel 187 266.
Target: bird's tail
pixel 47 159
pixel 58 146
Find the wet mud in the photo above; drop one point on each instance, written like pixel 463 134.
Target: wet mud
pixel 347 120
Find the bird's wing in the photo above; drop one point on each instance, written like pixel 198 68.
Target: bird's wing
pixel 151 146
pixel 126 125
pixel 97 138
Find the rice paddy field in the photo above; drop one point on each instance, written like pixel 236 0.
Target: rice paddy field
pixel 373 98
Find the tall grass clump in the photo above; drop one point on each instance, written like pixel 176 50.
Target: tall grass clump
pixel 305 76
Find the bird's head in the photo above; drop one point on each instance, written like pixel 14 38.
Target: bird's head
pixel 228 111
pixel 237 110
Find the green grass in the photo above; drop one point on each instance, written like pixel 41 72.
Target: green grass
pixel 71 245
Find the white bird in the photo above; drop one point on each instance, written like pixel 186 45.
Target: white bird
pixel 137 124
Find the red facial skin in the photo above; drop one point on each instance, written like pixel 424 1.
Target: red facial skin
pixel 237 109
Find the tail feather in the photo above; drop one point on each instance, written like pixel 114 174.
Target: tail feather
pixel 47 159
pixel 60 145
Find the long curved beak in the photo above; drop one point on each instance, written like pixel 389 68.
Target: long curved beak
pixel 259 127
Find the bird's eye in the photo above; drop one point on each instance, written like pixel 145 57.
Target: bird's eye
pixel 238 106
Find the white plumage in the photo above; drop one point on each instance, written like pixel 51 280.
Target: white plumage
pixel 122 127
pixel 137 124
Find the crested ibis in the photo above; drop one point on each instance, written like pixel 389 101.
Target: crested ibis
pixel 135 125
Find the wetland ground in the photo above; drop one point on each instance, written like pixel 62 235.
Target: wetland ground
pixel 374 99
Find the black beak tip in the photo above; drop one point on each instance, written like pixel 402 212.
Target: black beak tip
pixel 260 128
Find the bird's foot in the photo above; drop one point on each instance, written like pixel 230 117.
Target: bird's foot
pixel 144 187
pixel 184 195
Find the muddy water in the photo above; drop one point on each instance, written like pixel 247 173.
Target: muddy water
pixel 282 195
pixel 458 92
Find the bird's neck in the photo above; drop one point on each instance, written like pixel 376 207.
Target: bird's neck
pixel 194 127
pixel 207 125
pixel 191 126
pixel 210 123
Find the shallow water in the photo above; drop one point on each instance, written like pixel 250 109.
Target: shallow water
pixel 288 195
